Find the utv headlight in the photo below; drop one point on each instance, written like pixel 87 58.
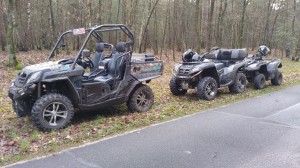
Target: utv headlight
pixel 176 68
pixel 34 77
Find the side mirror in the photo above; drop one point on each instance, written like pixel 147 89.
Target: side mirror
pixel 86 53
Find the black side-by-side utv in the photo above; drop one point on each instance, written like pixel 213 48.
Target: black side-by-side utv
pixel 50 91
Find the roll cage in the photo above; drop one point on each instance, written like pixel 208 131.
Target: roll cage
pixel 95 32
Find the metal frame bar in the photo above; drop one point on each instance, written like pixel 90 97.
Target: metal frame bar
pixel 95 33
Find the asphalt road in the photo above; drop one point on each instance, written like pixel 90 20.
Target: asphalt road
pixel 262 132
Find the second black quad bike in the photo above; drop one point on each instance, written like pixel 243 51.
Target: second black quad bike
pixel 50 91
pixel 196 71
pixel 259 70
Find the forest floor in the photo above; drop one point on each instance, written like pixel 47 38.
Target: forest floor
pixel 20 140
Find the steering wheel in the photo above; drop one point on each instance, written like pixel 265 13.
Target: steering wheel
pixel 85 63
pixel 89 63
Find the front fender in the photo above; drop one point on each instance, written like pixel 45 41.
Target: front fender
pixel 67 87
pixel 274 65
pixel 239 67
pixel 272 68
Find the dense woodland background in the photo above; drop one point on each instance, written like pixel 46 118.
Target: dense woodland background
pixel 160 25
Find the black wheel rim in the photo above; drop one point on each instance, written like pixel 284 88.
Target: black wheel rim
pixel 241 83
pixel 210 89
pixel 143 99
pixel 55 113
pixel 178 85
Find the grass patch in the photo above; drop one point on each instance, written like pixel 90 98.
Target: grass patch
pixel 94 125
pixel 19 67
pixel 24 145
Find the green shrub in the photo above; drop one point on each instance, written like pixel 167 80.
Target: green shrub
pixel 19 67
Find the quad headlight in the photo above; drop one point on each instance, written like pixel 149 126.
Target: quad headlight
pixel 34 77
pixel 176 68
pixel 12 83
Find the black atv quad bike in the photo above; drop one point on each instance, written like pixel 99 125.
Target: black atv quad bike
pixel 207 76
pixel 258 70
pixel 50 91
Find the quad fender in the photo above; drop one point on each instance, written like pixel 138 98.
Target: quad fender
pixel 274 65
pixel 263 70
pixel 212 72
pixel 228 74
pixel 65 86
pixel 257 68
pixel 238 67
pixel 272 68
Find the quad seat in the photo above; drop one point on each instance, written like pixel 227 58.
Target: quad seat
pixel 230 56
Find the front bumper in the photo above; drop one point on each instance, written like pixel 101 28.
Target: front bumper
pixel 16 93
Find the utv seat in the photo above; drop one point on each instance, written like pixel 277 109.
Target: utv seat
pixel 116 66
pixel 97 57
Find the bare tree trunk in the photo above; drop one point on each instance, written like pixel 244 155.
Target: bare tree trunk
pixel 19 36
pixel 132 18
pixel 142 25
pixel 118 12
pixel 124 12
pixel 198 23
pixel 233 35
pixel 272 30
pixel 155 48
pixel 165 29
pixel 266 39
pixel 99 18
pixel 174 25
pixel 294 17
pixel 11 50
pixel 90 13
pixel 28 29
pixel 132 13
pixel 2 25
pixel 147 23
pixel 110 19
pixel 209 25
pixel 242 24
pixel 110 12
pixel 218 41
pixel 222 11
pixel 52 25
